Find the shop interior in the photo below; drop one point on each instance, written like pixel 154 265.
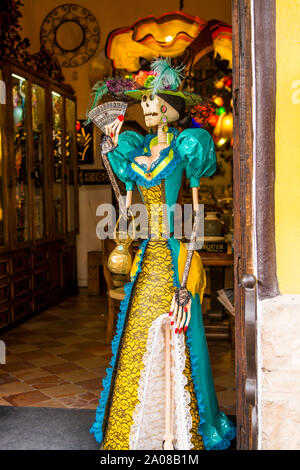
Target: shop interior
pixel 58 299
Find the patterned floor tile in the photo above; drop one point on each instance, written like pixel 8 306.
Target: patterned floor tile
pixel 77 355
pixel 57 351
pixel 27 399
pixel 63 390
pixel 17 366
pixel 92 384
pixel 63 367
pixel 22 348
pixel 6 379
pixel 60 334
pixel 59 358
pixel 88 363
pixel 37 354
pixel 52 403
pixel 79 375
pixel 4 402
pixel 74 339
pixel 48 381
pixel 28 374
pixel 49 343
pixel 47 361
pixel 13 388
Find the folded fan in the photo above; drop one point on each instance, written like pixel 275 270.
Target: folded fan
pixel 106 113
pixel 102 116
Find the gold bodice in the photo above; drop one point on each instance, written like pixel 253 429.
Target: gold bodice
pixel 154 200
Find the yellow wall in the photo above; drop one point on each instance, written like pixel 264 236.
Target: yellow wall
pixel 287 187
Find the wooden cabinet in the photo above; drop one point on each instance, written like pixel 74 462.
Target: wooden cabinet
pixel 38 193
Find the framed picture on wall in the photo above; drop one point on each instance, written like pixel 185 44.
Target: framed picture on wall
pixel 85 142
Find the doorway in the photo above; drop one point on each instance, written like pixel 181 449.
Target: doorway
pixel 253 102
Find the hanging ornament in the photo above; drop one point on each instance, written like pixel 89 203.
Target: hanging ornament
pixel 221 111
pixel 224 128
pixel 219 101
pixel 212 120
pixel 219 84
pixel 227 82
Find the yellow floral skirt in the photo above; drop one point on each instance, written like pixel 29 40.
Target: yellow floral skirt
pixel 151 297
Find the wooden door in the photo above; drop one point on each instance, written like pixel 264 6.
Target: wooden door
pixel 254 103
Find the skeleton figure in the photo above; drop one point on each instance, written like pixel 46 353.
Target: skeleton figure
pixel 157 112
pixel 158 378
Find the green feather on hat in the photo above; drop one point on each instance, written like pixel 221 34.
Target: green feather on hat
pixel 165 79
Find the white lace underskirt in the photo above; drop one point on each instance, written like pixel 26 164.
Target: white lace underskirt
pixel 148 428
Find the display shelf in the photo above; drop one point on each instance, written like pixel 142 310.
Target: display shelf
pixel 38 193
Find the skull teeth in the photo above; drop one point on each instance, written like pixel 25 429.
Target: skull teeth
pixel 151 114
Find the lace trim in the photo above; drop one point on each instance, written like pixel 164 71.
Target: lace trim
pixel 140 180
pixel 183 417
pixel 147 427
pixel 96 428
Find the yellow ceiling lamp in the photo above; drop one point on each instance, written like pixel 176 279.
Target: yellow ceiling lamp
pixel 168 36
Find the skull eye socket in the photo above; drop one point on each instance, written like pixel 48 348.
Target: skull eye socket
pixel 151 97
pixel 144 98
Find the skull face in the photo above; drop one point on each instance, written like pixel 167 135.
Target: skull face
pixel 152 105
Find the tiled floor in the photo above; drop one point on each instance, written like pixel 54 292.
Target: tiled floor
pixel 58 359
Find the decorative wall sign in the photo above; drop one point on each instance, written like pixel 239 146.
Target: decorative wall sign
pixel 85 142
pixel 71 33
pixel 89 177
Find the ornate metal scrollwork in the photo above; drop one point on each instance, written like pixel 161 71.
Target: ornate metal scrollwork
pixel 71 33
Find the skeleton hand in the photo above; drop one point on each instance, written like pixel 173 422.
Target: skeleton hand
pixel 113 129
pixel 181 309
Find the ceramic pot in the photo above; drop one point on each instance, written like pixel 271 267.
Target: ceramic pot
pixel 212 225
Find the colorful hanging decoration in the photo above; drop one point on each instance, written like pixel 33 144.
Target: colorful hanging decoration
pixel 224 129
pixel 170 35
pixel 215 37
pixel 202 113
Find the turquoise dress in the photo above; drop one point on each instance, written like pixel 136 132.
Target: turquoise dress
pixel 192 151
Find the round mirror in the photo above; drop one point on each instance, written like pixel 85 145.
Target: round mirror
pixel 69 36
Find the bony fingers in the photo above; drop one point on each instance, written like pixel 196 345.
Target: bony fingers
pixel 173 319
pixel 188 316
pixel 172 306
pixel 115 124
pixel 117 132
pixel 183 320
pixel 178 319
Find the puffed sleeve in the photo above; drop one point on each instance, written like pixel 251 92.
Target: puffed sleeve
pixel 120 157
pixel 197 150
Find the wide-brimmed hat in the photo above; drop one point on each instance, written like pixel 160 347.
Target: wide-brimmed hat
pixel 163 79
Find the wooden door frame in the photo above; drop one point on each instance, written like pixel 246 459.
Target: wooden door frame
pixel 254 107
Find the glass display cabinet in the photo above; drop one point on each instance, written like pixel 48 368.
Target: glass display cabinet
pixel 20 144
pixel 3 237
pixel 38 193
pixel 39 148
pixel 57 160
